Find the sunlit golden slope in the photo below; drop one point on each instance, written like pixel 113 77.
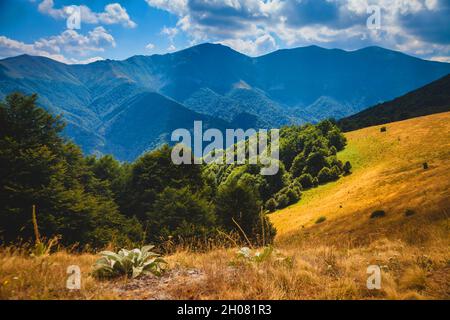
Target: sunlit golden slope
pixel 388 174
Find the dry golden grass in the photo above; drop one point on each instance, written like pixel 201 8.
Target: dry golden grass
pixel 388 175
pixel 26 277
pixel 324 261
pixel 318 272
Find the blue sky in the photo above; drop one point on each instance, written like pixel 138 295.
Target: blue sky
pixel 119 29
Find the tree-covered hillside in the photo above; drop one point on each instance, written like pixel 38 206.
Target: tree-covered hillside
pixel 433 98
pixel 94 201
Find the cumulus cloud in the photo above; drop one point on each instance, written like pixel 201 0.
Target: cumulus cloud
pixel 169 32
pixel 418 27
pixel 113 13
pixel 441 59
pixel 264 43
pixel 59 47
pixel 150 46
pixel 177 7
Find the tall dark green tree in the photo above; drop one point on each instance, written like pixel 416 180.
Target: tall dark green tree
pixel 239 200
pixel 151 174
pixel 38 167
pixel 181 214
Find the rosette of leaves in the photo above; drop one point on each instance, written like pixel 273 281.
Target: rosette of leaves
pixel 257 256
pixel 132 263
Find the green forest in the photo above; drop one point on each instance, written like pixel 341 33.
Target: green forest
pixel 94 201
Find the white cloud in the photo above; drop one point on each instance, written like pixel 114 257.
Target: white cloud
pixel 86 61
pixel 46 6
pixel 331 23
pixel 113 13
pixel 441 59
pixel 261 45
pixel 169 32
pixel 178 7
pixel 150 46
pixel 62 47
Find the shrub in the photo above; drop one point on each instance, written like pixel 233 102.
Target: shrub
pixel 335 172
pixel 298 165
pixel 297 185
pixel 321 219
pixel 306 180
pixel 293 194
pixel 347 168
pixel 132 263
pixel 283 201
pixel 325 175
pixel 315 182
pixel 337 139
pixel 333 151
pixel 271 205
pixel 315 162
pixel 377 214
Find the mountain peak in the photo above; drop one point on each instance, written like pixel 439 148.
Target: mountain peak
pixel 210 49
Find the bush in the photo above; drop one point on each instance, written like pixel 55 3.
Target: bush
pixel 377 214
pixel 333 151
pixel 306 180
pixel 271 205
pixel 337 139
pixel 321 219
pixel 315 182
pixel 293 194
pixel 288 196
pixel 315 162
pixel 132 263
pixel 283 201
pixel 335 172
pixel 298 165
pixel 325 175
pixel 347 168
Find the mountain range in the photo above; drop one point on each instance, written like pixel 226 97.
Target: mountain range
pixel 128 107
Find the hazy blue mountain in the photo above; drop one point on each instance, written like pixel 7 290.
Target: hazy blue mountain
pixel 126 107
pixel 361 78
pixel 147 120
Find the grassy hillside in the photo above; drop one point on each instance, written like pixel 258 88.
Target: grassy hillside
pixel 388 175
pixel 326 260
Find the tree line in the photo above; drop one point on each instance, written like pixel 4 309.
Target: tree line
pixel 93 201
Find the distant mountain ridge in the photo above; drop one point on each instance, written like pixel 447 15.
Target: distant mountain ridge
pixel 106 101
pixel 430 99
